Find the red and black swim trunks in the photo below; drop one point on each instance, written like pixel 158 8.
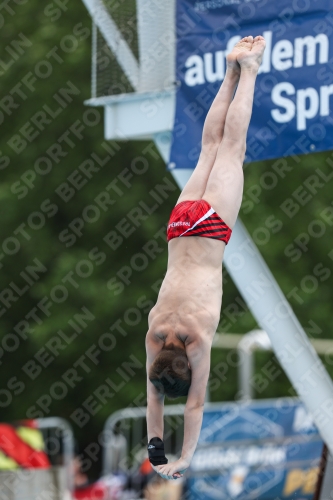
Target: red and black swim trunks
pixel 197 218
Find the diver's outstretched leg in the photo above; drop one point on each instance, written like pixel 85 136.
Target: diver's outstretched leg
pixel 213 130
pixel 225 183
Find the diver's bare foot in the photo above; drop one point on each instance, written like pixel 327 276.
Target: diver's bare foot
pixel 244 45
pixel 252 59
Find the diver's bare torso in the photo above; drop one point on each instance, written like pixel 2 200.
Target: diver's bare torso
pixel 189 301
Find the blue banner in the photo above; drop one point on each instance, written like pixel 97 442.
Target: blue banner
pixel 294 89
pixel 262 450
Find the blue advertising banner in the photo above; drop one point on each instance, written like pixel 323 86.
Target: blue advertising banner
pixel 262 450
pixel 294 90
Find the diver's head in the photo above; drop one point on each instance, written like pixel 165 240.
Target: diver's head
pixel 170 372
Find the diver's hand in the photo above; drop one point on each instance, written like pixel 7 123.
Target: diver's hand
pixel 173 470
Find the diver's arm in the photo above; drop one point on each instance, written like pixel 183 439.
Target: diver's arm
pixel 198 355
pixel 155 400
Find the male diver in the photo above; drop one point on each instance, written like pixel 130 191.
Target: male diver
pixel 184 320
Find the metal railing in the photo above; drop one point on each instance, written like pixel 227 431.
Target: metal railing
pixel 246 345
pixel 125 433
pixel 63 434
pixel 125 436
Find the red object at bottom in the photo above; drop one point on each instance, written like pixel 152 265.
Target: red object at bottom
pixel 14 447
pixel 146 467
pixel 95 491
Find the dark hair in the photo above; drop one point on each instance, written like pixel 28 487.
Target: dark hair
pixel 170 373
